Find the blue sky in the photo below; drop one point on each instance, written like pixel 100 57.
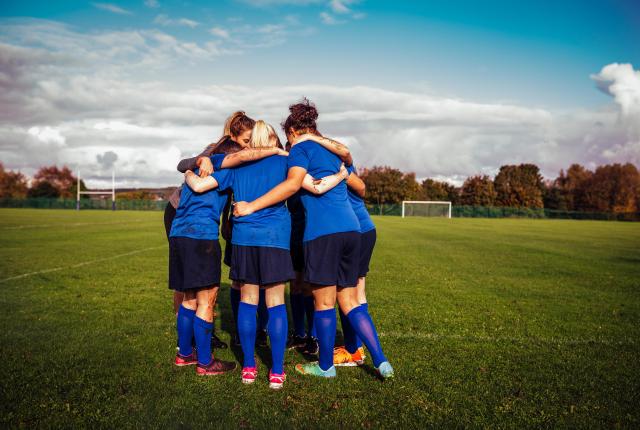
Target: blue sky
pixel 542 58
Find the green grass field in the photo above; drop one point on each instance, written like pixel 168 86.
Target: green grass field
pixel 489 323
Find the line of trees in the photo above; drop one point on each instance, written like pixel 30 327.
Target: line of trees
pixel 49 182
pixel 610 188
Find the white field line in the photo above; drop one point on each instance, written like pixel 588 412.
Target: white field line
pixel 77 224
pixel 84 263
pixel 513 339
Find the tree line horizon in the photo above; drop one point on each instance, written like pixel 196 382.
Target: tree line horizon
pixel 613 188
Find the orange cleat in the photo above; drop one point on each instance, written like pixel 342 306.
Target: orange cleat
pixel 343 358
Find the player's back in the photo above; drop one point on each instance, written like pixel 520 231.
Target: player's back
pixel 330 212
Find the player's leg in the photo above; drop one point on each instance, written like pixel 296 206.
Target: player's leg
pixel 325 325
pixel 184 325
pixel 202 329
pixel 358 315
pixel 296 293
pixel 278 329
pixel 249 298
pixel 234 299
pixel 352 352
pixel 296 299
pixel 263 320
pixel 311 346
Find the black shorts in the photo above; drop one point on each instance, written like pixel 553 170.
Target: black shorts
pixel 228 250
pixel 260 265
pixel 333 259
pixel 297 253
pixel 193 263
pixel 367 243
pixel 169 215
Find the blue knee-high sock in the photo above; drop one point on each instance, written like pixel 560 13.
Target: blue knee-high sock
pixel 325 324
pixel 234 298
pixel 297 312
pixel 351 340
pixel 309 310
pixel 184 324
pixel 247 332
pixel 202 332
pixel 263 313
pixel 278 328
pixel 366 331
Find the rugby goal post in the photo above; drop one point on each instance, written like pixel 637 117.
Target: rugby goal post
pixel 112 192
pixel 426 208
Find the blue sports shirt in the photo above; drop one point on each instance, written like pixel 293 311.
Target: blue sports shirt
pixel 268 227
pixel 366 224
pixel 326 213
pixel 198 215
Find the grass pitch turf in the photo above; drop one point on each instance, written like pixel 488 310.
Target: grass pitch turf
pixel 489 323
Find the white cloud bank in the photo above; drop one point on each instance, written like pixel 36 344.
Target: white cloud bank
pixel 76 99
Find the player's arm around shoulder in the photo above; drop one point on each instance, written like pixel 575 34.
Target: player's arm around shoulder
pixel 321 186
pixel 198 184
pixel 250 154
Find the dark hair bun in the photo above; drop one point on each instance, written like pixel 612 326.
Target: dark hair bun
pixel 303 116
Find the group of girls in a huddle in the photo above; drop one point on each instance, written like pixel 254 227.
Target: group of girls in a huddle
pixel 299 217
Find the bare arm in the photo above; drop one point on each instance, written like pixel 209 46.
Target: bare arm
pixel 280 192
pixel 250 154
pixel 198 184
pixel 193 162
pixel 332 145
pixel 325 184
pixel 356 184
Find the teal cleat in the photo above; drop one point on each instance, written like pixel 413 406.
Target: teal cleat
pixel 385 370
pixel 314 369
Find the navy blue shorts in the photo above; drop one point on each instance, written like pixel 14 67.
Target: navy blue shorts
pixel 367 243
pixel 297 253
pixel 228 250
pixel 333 259
pixel 260 265
pixel 193 263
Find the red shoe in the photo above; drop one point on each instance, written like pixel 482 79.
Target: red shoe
pixel 186 360
pixel 216 367
pixel 249 375
pixel 276 381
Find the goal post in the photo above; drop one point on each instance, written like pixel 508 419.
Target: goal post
pixel 112 192
pixel 426 208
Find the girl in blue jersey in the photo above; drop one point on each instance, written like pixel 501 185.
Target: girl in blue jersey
pixel 300 294
pixel 331 244
pixel 260 257
pixel 237 134
pixel 352 354
pixel 236 131
pixel 194 270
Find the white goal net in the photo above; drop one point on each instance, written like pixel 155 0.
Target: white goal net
pixel 424 208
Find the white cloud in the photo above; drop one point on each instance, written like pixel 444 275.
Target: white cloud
pixel 220 32
pixel 71 98
pixel 166 21
pixel 329 19
pixel 153 4
pixel 623 83
pixel 339 6
pixel 109 7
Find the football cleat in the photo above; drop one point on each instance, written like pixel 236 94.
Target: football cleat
pixel 249 375
pixel 314 369
pixel 216 367
pixel 276 380
pixel 342 357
